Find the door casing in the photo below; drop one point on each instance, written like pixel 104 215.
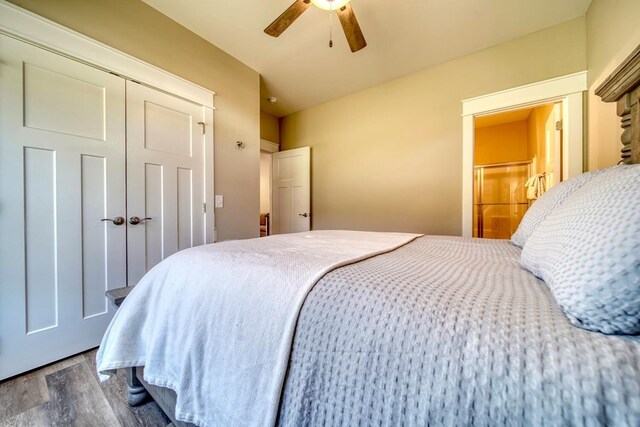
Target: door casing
pixel 569 90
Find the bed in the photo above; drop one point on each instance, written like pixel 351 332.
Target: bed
pixel 407 329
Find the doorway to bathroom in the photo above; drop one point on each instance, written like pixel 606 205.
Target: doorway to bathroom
pixel 517 158
pixel 568 90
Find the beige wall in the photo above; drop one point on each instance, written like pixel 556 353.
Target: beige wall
pixel 389 157
pixel 613 31
pixel 503 143
pixel 269 127
pixel 139 30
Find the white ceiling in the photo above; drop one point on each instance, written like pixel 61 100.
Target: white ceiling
pixel 403 36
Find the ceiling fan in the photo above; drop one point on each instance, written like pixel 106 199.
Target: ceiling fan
pixel 342 7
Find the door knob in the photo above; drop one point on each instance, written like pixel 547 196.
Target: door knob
pixel 117 220
pixel 304 214
pixel 135 220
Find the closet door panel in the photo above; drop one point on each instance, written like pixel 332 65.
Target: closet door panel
pixel 153 208
pixel 41 232
pixel 185 208
pixel 165 176
pixel 62 152
pixel 46 106
pixel 95 277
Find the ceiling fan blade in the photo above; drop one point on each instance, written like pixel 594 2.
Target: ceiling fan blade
pixel 283 21
pixel 351 28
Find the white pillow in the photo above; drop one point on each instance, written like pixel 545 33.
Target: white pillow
pixel 588 253
pixel 549 202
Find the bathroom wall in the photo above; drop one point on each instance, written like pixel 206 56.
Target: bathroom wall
pixel 501 143
pixel 536 136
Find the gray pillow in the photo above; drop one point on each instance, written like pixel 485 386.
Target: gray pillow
pixel 588 253
pixel 549 202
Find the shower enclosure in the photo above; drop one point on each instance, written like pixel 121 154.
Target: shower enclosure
pixel 499 199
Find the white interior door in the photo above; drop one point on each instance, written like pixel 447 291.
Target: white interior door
pixel 62 147
pixel 165 176
pixel 291 191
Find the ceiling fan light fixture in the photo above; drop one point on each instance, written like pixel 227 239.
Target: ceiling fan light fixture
pixel 330 4
pixel 342 8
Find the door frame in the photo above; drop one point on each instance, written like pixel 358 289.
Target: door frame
pixel 33 29
pixel 569 89
pixel 269 147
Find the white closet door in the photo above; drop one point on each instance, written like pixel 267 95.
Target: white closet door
pixel 165 176
pixel 62 142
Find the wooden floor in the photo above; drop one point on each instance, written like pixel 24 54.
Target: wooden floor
pixel 68 393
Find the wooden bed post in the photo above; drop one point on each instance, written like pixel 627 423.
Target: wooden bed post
pixel 628 110
pixel 623 87
pixel 137 394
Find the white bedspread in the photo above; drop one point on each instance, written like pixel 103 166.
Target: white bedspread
pixel 215 323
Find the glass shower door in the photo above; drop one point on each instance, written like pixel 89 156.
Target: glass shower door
pixel 500 199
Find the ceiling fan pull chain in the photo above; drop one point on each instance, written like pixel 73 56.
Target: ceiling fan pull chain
pixel 330 24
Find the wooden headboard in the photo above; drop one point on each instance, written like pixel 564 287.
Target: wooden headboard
pixel 623 87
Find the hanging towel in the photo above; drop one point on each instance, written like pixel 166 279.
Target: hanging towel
pixel 536 186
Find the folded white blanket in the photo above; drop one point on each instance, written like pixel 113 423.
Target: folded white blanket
pixel 215 323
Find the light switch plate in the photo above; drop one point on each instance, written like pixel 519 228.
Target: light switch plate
pixel 219 201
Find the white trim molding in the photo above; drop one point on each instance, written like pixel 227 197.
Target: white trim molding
pixel 268 146
pixel 567 89
pixel 34 29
